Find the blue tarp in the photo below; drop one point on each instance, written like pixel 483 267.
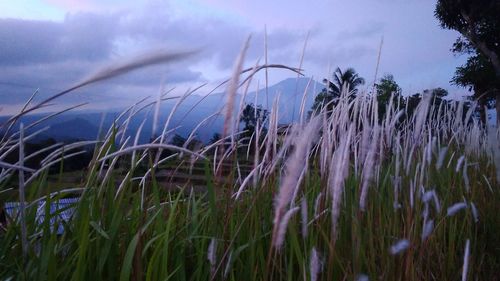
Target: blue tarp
pixel 61 211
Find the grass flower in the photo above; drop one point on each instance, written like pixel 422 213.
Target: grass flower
pixel 455 208
pixel 399 247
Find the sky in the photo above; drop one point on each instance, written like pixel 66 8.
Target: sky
pixel 52 44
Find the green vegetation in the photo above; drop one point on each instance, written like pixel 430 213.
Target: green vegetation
pixel 341 197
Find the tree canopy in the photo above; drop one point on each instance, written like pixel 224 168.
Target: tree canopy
pixel 478 22
pixel 386 89
pixel 478 76
pixel 251 115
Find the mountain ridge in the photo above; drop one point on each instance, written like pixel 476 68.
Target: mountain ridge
pixel 80 125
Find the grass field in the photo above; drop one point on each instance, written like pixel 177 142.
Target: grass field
pixel 344 195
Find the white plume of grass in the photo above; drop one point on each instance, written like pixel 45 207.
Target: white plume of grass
pixel 294 167
pixel 396 179
pixel 271 136
pixel 315 264
pixel 281 231
pixel 211 255
pixel 455 208
pixel 427 196
pixel 427 229
pixel 460 161
pixel 362 277
pixel 337 175
pixel 233 87
pixel 425 212
pixel 419 118
pixel 303 101
pixel 442 155
pixel 242 103
pixel 399 247
pixel 297 186
pixel 475 213
pixel 466 260
pixel 431 195
pixel 368 168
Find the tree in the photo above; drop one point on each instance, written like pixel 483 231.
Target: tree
pixel 215 138
pixel 387 88
pixel 437 98
pixel 478 22
pixel 178 140
pixel 322 99
pixel 437 95
pixel 411 104
pixel 478 75
pixel 348 81
pixel 251 115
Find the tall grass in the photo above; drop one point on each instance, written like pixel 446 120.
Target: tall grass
pixel 371 195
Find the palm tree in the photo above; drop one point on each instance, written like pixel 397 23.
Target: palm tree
pixel 348 80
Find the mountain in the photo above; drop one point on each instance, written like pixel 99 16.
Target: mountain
pixel 195 108
pixel 188 115
pixel 77 128
pixel 290 92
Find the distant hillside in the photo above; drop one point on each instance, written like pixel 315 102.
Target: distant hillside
pixel 189 114
pixel 290 91
pixel 77 128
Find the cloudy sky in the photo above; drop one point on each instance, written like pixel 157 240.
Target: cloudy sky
pixel 51 44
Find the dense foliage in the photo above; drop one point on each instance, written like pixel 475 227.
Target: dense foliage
pixel 479 25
